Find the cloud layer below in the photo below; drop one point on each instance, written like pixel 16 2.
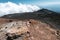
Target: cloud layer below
pixel 9 8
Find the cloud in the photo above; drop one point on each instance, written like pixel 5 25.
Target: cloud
pixel 9 8
pixel 49 3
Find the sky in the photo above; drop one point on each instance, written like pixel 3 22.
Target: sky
pixel 30 1
pixel 53 5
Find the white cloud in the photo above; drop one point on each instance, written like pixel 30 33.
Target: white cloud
pixel 9 8
pixel 48 3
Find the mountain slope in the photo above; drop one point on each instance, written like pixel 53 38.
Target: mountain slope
pixel 40 13
pixel 40 25
pixel 44 15
pixel 28 30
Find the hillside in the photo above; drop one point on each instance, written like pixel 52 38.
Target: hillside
pixel 45 15
pixel 28 30
pixel 40 25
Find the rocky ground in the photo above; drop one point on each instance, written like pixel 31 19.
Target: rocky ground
pixel 27 30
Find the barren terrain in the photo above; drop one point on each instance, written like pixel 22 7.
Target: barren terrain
pixel 27 30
